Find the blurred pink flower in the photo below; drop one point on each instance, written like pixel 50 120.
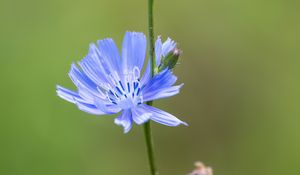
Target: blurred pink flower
pixel 201 169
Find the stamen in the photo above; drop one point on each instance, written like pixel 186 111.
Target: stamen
pixel 138 91
pixel 121 85
pixel 118 93
pixel 135 84
pixel 111 100
pixel 128 86
pixel 111 93
pixel 136 73
pixel 101 93
pixel 119 90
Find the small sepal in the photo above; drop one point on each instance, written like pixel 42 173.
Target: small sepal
pixel 170 60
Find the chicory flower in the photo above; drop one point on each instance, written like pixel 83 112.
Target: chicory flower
pixel 110 83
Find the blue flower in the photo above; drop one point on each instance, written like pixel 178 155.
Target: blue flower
pixel 108 83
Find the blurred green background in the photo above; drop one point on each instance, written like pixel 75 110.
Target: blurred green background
pixel 241 96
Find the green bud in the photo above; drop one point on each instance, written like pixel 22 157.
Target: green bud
pixel 170 60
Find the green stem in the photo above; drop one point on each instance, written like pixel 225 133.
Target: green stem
pixel 150 151
pixel 147 125
pixel 151 36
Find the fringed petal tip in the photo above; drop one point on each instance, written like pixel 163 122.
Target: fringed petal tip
pixel 162 117
pixel 181 85
pixel 124 120
pixel 184 123
pixel 119 123
pixel 66 94
pixel 134 33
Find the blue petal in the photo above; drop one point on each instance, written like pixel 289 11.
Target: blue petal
pixel 89 108
pixel 67 94
pixel 162 117
pixel 160 81
pixel 97 56
pixel 125 120
pixel 147 74
pixel 99 65
pixel 161 93
pixel 158 50
pixel 168 46
pixel 81 103
pixel 133 51
pixel 89 95
pixel 94 70
pixel 160 86
pixel 140 116
pixel 106 107
pixel 109 52
pixel 81 80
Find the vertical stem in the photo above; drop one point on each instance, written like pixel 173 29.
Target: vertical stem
pixel 147 125
pixel 151 36
pixel 149 143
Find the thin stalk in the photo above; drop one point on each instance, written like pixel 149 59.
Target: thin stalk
pixel 147 125
pixel 150 151
pixel 151 36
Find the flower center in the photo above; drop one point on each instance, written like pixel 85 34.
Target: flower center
pixel 126 92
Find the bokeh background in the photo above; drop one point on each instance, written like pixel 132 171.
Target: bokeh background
pixel 241 96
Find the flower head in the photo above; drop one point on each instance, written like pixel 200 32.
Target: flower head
pixel 201 169
pixel 109 83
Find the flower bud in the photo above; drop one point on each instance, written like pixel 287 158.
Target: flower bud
pixel 201 169
pixel 170 60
